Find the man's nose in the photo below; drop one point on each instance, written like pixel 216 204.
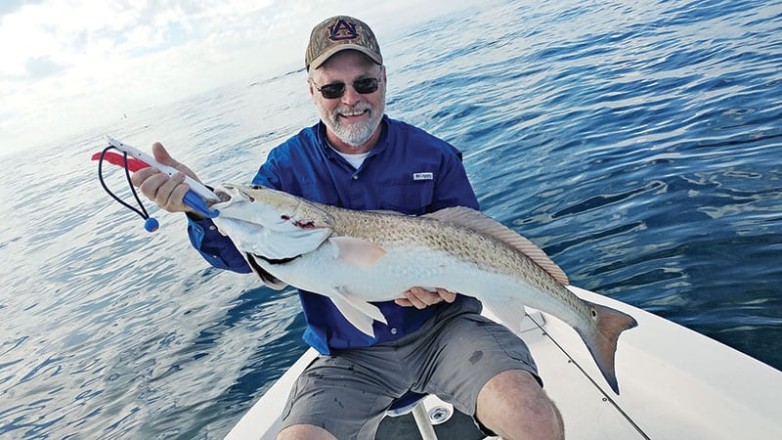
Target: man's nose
pixel 351 96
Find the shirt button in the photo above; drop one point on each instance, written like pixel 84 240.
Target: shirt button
pixel 394 331
pixel 212 228
pixel 355 177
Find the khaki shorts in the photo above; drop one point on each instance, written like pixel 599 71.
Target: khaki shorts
pixel 452 356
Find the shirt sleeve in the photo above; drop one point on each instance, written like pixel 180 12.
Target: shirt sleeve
pixel 453 187
pixel 268 174
pixel 217 249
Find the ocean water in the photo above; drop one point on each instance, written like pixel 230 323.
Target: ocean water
pixel 637 142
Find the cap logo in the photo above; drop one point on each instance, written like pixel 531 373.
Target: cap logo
pixel 342 30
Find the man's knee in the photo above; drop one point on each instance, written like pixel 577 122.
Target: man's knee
pixel 514 405
pixel 305 432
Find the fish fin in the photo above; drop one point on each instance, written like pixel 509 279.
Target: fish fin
pixel 357 312
pixel 509 313
pixel 357 252
pixel 478 222
pixel 603 338
pixel 267 278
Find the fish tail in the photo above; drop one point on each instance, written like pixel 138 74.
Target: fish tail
pixel 602 337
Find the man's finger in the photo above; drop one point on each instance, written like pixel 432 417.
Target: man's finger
pixel 404 302
pixel 165 197
pixel 177 197
pixel 446 295
pixel 428 297
pixel 141 175
pixel 149 187
pixel 420 298
pixel 413 295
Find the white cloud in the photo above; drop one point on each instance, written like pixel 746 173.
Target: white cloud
pixel 69 65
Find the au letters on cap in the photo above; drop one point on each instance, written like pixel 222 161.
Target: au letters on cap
pixel 342 30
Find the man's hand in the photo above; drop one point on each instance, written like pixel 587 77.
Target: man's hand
pixel 167 192
pixel 421 298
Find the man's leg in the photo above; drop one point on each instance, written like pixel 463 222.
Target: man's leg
pixel 304 432
pixel 487 372
pixel 343 396
pixel 513 405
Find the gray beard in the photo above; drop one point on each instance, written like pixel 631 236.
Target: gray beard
pixel 355 135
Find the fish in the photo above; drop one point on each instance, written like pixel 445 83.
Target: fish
pixel 356 258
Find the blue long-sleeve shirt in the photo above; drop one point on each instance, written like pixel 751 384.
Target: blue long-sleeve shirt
pixel 408 171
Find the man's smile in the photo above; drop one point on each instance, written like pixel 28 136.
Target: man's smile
pixel 354 115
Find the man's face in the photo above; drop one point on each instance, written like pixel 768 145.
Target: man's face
pixel 354 117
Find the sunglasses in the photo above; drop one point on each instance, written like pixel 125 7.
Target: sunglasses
pixel 336 90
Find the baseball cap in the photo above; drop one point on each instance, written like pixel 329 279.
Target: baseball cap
pixel 340 33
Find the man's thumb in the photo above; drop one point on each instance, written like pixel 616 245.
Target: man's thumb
pixel 162 156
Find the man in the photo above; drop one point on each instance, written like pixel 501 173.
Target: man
pixel 435 342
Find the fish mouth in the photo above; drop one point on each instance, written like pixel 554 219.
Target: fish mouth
pixel 312 218
pixel 227 192
pixel 223 196
pixel 222 193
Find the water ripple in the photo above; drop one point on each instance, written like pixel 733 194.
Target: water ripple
pixel 636 142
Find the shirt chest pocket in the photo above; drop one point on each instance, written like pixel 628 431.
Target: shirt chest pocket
pixel 408 197
pixel 311 190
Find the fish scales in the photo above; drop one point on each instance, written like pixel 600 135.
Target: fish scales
pixel 469 246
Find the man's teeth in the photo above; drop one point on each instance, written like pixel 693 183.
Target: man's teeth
pixel 354 113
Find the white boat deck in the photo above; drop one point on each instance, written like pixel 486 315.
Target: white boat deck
pixel 674 384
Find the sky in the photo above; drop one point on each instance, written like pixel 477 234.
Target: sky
pixel 69 65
